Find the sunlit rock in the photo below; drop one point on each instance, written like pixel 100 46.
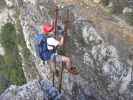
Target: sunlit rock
pixel 127 10
pixel 9 3
pixel 2 51
pixel 97 1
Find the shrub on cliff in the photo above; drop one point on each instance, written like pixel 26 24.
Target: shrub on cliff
pixel 11 69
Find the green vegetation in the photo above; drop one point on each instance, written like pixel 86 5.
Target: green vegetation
pixel 129 18
pixel 115 6
pixel 105 2
pixel 10 66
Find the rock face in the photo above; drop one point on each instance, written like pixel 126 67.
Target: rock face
pixel 26 92
pixel 42 90
pixel 97 1
pixel 103 75
pixel 35 90
pixel 127 10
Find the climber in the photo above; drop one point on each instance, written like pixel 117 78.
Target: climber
pixel 47 46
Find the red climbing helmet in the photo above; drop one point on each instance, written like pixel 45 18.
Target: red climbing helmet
pixel 48 28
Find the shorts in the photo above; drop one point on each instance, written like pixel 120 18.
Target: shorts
pixel 56 57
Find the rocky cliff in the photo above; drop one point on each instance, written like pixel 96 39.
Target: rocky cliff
pixel 103 74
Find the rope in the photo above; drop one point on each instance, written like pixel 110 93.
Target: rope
pixel 55 25
pixel 64 45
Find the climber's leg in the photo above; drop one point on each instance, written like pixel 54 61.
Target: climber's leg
pixel 67 61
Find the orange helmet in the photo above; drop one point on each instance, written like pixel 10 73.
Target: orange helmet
pixel 48 28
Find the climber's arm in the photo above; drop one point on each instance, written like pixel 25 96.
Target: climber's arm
pixel 61 41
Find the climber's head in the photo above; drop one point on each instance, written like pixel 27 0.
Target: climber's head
pixel 48 28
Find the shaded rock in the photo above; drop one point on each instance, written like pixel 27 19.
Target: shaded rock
pixel 42 90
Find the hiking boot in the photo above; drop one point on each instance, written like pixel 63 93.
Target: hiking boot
pixel 73 70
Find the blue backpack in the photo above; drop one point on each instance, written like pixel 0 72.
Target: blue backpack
pixel 42 48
